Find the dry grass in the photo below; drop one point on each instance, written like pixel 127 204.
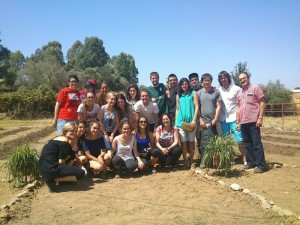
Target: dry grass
pixel 288 122
pixel 6 122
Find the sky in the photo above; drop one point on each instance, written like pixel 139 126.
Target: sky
pixel 168 36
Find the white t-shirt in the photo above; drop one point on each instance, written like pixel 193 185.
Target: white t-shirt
pixel 91 115
pixel 229 105
pixel 147 111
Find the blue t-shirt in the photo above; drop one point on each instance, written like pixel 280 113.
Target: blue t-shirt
pixel 95 146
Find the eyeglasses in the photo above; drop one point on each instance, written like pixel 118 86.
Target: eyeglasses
pixel 143 121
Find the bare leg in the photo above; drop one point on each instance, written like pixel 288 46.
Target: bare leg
pixel 65 179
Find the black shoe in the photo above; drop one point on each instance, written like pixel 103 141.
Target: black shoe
pixel 52 186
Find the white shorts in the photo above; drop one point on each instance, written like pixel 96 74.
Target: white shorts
pixel 187 136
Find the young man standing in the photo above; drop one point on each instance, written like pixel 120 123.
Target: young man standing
pixel 171 95
pixel 148 109
pixel 157 93
pixel 210 109
pixel 229 93
pixel 249 119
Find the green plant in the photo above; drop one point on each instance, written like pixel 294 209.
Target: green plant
pixel 219 154
pixel 22 166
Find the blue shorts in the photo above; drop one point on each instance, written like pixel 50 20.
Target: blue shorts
pixel 231 126
pixel 60 123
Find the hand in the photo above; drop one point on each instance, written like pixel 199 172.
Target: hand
pixel 165 151
pixel 193 124
pixel 141 164
pixel 54 123
pixel 202 123
pixel 238 126
pixel 214 122
pixel 259 122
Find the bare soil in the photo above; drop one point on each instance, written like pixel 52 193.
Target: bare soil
pixel 167 197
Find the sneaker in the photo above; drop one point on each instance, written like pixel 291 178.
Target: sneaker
pixel 247 167
pixel 154 170
pixel 117 176
pixel 245 163
pixel 258 170
pixel 85 170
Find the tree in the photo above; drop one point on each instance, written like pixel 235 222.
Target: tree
pixel 4 60
pixel 16 63
pixel 275 92
pixel 124 66
pixel 91 54
pixel 239 68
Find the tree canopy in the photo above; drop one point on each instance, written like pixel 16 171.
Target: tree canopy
pixel 239 68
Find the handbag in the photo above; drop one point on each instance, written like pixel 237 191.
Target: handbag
pixel 187 126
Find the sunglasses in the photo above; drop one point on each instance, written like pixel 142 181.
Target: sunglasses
pixel 143 121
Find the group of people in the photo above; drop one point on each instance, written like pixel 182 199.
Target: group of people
pixel 151 127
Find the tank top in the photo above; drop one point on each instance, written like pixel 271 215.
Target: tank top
pixel 109 119
pixel 125 151
pixel 142 143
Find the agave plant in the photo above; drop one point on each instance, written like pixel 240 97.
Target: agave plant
pixel 22 166
pixel 218 153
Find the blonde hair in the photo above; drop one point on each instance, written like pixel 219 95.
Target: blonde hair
pixel 68 127
pixel 110 94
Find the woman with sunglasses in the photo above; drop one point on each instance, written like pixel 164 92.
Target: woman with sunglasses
pixel 145 141
pixel 167 141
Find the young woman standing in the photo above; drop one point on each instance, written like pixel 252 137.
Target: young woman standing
pixel 187 110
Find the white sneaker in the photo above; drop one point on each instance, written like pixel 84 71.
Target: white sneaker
pixel 153 170
pixel 245 163
pixel 85 171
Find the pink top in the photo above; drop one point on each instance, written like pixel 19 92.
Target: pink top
pixel 248 102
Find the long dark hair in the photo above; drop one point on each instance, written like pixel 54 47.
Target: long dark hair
pixel 138 93
pixel 138 129
pixel 189 90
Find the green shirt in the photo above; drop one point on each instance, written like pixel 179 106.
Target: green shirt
pixel 159 93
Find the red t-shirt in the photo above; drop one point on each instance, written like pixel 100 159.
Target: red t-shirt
pixel 69 101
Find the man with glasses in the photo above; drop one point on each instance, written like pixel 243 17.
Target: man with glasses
pixel 249 119
pixel 68 100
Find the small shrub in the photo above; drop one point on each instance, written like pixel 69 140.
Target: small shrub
pixel 22 166
pixel 219 154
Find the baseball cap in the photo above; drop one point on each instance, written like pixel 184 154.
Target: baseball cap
pixel 90 83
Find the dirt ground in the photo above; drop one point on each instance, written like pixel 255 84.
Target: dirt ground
pixel 167 197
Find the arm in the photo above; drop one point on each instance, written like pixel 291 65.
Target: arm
pixel 152 141
pixel 218 111
pixel 261 112
pixel 177 107
pixel 136 154
pixel 114 146
pixel 196 103
pixel 176 141
pixel 100 117
pixel 56 110
pixel 238 118
pixel 164 150
pixel 156 120
pixel 115 128
pixel 90 157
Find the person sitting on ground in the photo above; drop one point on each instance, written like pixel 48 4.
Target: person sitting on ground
pixel 145 141
pixel 77 146
pixel 96 149
pixel 124 148
pixel 55 163
pixel 167 141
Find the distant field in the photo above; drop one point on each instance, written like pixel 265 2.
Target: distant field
pixel 285 122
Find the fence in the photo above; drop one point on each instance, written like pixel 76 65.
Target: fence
pixel 285 111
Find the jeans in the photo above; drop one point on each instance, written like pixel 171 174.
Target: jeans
pixel 254 148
